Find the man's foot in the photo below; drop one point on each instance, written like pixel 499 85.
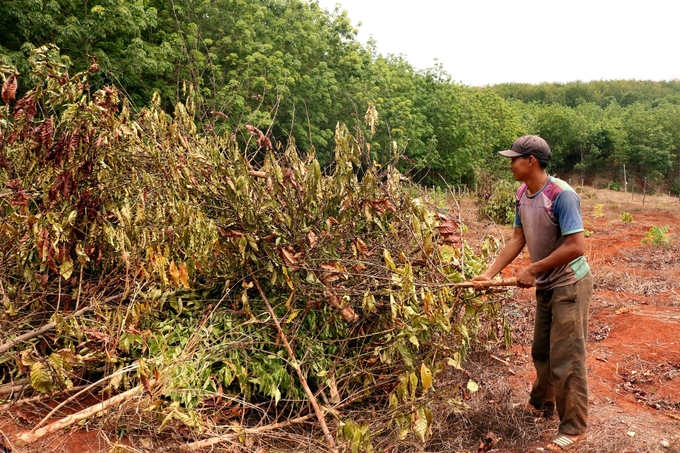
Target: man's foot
pixel 546 410
pixel 563 442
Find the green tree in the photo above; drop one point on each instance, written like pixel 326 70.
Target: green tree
pixel 649 147
pixel 117 32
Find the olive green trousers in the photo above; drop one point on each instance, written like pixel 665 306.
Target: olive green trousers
pixel 559 353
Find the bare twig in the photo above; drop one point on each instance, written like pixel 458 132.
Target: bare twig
pixel 296 365
pixel 228 437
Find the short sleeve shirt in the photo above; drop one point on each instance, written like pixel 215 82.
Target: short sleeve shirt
pixel 546 218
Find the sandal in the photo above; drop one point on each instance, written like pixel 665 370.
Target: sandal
pixel 563 442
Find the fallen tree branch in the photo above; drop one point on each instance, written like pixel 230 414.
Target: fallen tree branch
pixel 296 365
pixel 83 389
pixel 47 327
pixel 12 387
pixel 228 437
pixel 30 437
pixel 41 397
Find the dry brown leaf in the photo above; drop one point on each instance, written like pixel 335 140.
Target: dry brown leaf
pixel 9 89
pixel 184 275
pixel 288 255
pixel 174 273
pixel 363 249
pixel 262 140
pixel 215 112
pixel 489 441
pixel 448 227
pixel 313 239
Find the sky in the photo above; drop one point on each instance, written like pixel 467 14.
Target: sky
pixel 482 42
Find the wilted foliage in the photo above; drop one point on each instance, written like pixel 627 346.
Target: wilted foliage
pixel 176 246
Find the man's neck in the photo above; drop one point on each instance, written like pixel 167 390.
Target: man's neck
pixel 536 182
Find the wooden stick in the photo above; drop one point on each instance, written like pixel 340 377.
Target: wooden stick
pixel 296 365
pixel 228 437
pixel 30 437
pixel 485 283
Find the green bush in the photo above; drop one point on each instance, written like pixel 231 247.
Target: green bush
pixel 674 188
pixel 497 200
pixel 597 210
pixel 657 236
pixel 613 185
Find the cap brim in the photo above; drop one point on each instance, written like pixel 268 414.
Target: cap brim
pixel 509 153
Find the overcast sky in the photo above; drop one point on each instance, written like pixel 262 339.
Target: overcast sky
pixel 482 42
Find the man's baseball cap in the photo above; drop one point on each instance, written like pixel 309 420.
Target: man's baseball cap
pixel 528 145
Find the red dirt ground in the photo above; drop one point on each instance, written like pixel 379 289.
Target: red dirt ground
pixel 634 338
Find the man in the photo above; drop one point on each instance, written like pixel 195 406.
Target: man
pixel 548 220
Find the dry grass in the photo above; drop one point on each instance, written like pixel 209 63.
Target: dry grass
pixel 612 280
pixel 626 201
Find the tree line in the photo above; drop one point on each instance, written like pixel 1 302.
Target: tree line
pixel 295 70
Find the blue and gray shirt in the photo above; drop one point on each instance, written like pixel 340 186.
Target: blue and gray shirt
pixel 546 218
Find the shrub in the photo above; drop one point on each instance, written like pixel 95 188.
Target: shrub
pixel 657 236
pixel 497 200
pixel 597 211
pixel 674 188
pixel 626 217
pixel 613 185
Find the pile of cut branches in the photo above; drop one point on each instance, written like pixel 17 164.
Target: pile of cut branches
pixel 158 265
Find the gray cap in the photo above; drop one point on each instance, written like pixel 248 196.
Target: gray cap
pixel 528 145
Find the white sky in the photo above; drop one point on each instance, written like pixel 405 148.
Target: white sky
pixel 482 42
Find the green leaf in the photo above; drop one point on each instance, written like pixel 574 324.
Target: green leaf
pixel 293 314
pixel 369 303
pixel 425 377
pixel 472 386
pixel 455 361
pixel 388 260
pixel 447 253
pixel 66 268
pixel 422 423
pixel 41 379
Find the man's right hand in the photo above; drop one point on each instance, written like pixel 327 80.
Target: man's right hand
pixel 480 278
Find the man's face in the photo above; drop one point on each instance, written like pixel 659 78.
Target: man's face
pixel 521 166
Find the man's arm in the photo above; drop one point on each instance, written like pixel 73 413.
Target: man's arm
pixel 509 253
pixel 573 247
